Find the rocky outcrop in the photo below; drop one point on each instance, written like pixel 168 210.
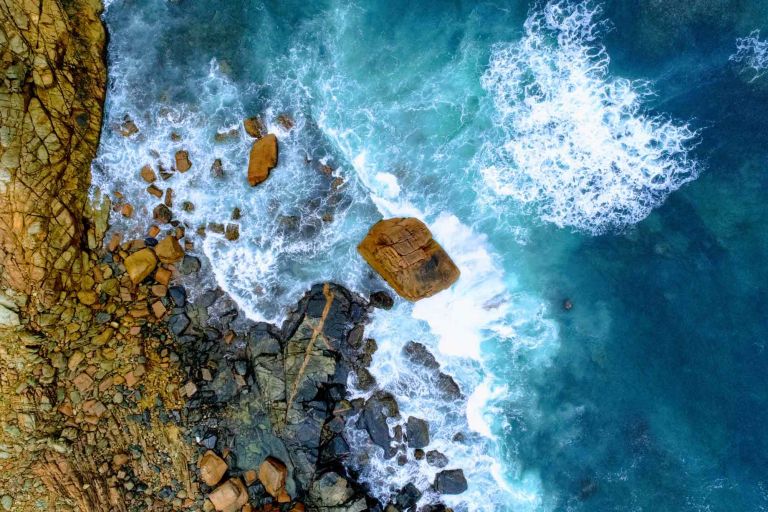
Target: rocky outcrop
pixel 51 96
pixel 403 252
pixel 263 158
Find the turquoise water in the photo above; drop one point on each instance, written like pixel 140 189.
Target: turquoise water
pixel 610 154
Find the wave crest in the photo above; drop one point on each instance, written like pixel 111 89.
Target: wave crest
pixel 577 146
pixel 752 54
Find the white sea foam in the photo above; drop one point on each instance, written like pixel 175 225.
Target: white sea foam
pixel 752 54
pixel 575 144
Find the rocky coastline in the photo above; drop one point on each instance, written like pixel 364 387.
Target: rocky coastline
pixel 119 393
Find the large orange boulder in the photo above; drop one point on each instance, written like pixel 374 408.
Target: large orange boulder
pixel 272 475
pixel 403 252
pixel 229 496
pixel 263 159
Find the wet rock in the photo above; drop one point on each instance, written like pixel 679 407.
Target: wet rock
pixel 217 168
pixel 189 265
pixel 169 250
pixel 285 121
pixel 263 158
pixel 381 300
pixel 450 481
pixel 373 419
pixel 162 214
pixel 140 265
pixel 419 354
pixel 437 459
pixel 229 496
pixel 232 232
pixel 154 191
pixel 403 252
pixel 254 127
pixel 418 432
pixel 148 174
pixel 272 475
pixel 212 468
pixel 183 163
pixel 178 296
pixel 128 127
pixel 407 498
pixel 447 387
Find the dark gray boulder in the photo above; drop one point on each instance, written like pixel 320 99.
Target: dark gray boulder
pixel 417 431
pixel 450 481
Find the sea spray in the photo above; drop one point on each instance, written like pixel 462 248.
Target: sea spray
pixel 575 144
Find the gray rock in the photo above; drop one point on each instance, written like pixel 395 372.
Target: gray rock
pixel 8 317
pixel 450 481
pixel 437 459
pixel 373 419
pixel 417 431
pixel 407 498
pixel 178 295
pixel 178 323
pixel 419 354
pixel 331 490
pixel 189 265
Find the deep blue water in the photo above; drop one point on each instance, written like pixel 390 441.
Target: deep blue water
pixel 518 132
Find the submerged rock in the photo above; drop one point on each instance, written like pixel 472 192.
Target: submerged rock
pixel 403 252
pixel 263 158
pixel 254 127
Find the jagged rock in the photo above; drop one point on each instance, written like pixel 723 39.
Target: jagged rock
pixel 162 214
pixel 437 459
pixel 419 354
pixel 407 498
pixel 217 168
pixel 373 419
pixel 183 163
pixel 140 264
pixel 403 252
pixel 450 481
pixel 229 496
pixel 272 475
pixel 263 158
pixel 254 127
pixel 169 250
pixel 189 265
pixel 381 300
pixel 212 468
pixel 418 432
pixel 331 490
pixel 8 317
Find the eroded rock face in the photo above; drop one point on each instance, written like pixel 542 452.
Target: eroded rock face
pixel 403 252
pixel 263 158
pixel 51 96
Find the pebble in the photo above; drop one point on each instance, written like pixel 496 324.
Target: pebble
pixel 7 502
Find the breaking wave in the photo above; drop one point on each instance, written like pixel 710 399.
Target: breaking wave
pixel 578 147
pixel 752 54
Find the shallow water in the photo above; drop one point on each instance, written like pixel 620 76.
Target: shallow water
pixel 610 154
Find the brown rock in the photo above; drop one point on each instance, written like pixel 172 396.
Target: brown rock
pixel 83 382
pixel 169 250
pixel 169 197
pixel 254 127
pixel 212 468
pixel 159 290
pixel 162 214
pixel 88 297
pixel 127 210
pixel 229 496
pixel 153 231
pixel 128 127
pixel 272 475
pixel 140 264
pixel 285 121
pixel 148 174
pixel 163 276
pixel 158 309
pixel 263 159
pixel 115 242
pixel 403 252
pixel 232 232
pixel 182 161
pixel 250 477
pixel 154 191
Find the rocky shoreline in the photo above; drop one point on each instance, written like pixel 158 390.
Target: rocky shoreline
pixel 118 393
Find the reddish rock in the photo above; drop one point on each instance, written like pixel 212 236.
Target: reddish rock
pixel 212 468
pixel 403 252
pixel 272 475
pixel 229 496
pixel 163 276
pixel 127 210
pixel 263 158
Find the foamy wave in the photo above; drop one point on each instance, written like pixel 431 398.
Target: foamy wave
pixel 578 148
pixel 752 54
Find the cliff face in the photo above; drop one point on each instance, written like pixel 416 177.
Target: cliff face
pixel 51 95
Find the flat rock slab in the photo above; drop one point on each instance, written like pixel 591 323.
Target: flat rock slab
pixel 404 253
pixel 263 158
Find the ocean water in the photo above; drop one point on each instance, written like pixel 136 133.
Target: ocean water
pixel 610 154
